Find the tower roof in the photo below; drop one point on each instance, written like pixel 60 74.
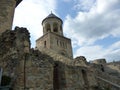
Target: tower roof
pixel 18 2
pixel 52 16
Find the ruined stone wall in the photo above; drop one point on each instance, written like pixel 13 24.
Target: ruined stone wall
pixel 6 14
pixel 31 69
pixel 113 68
pixel 38 71
pixel 13 47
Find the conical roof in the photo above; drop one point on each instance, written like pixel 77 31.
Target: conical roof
pixel 52 16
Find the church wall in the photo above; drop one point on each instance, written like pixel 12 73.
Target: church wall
pixel 6 14
pixel 43 42
pixel 61 45
pixel 55 42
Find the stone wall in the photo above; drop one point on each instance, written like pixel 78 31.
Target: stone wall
pixel 13 47
pixel 31 69
pixel 38 71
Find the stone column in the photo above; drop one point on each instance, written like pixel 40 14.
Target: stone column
pixel 51 26
pixel 7 8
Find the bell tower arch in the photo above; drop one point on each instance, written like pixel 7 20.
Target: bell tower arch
pixel 52 23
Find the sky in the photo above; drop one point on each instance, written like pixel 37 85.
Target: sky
pixel 92 25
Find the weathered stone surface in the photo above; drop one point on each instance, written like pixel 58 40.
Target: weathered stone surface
pixel 31 69
pixel 80 61
pixel 6 14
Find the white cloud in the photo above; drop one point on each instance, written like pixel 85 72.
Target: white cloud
pixel 84 5
pixel 94 21
pixel 96 51
pixel 67 0
pixel 30 14
pixel 90 52
pixel 102 20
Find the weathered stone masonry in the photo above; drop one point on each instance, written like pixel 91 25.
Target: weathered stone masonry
pixel 32 70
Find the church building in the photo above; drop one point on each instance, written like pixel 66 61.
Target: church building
pixel 53 37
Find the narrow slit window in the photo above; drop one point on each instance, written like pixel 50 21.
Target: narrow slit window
pixel 57 43
pixel 45 44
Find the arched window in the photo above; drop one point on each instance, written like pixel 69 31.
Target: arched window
pixel 47 26
pixel 55 27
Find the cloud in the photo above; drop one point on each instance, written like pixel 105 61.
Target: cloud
pixel 83 5
pixel 67 0
pixel 94 22
pixel 30 14
pixel 93 25
pixel 93 52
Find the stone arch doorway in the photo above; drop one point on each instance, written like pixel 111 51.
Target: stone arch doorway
pixel 84 75
pixel 56 82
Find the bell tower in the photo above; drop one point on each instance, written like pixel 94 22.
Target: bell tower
pixel 53 37
pixel 52 23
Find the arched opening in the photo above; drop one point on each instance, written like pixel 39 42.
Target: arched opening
pixel 48 29
pixel 84 74
pixel 44 44
pixel 55 27
pixel 102 68
pixel 56 77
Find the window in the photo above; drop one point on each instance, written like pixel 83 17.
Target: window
pixel 55 27
pixel 48 29
pixel 44 44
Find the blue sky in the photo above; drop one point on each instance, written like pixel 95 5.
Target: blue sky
pixel 92 25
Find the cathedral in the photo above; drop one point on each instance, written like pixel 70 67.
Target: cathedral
pixel 50 65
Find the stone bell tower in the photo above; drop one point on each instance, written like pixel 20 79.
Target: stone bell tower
pixel 53 37
pixel 7 8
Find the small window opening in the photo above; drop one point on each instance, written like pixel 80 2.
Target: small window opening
pixel 55 30
pixel 45 44
pixel 48 29
pixel 102 68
